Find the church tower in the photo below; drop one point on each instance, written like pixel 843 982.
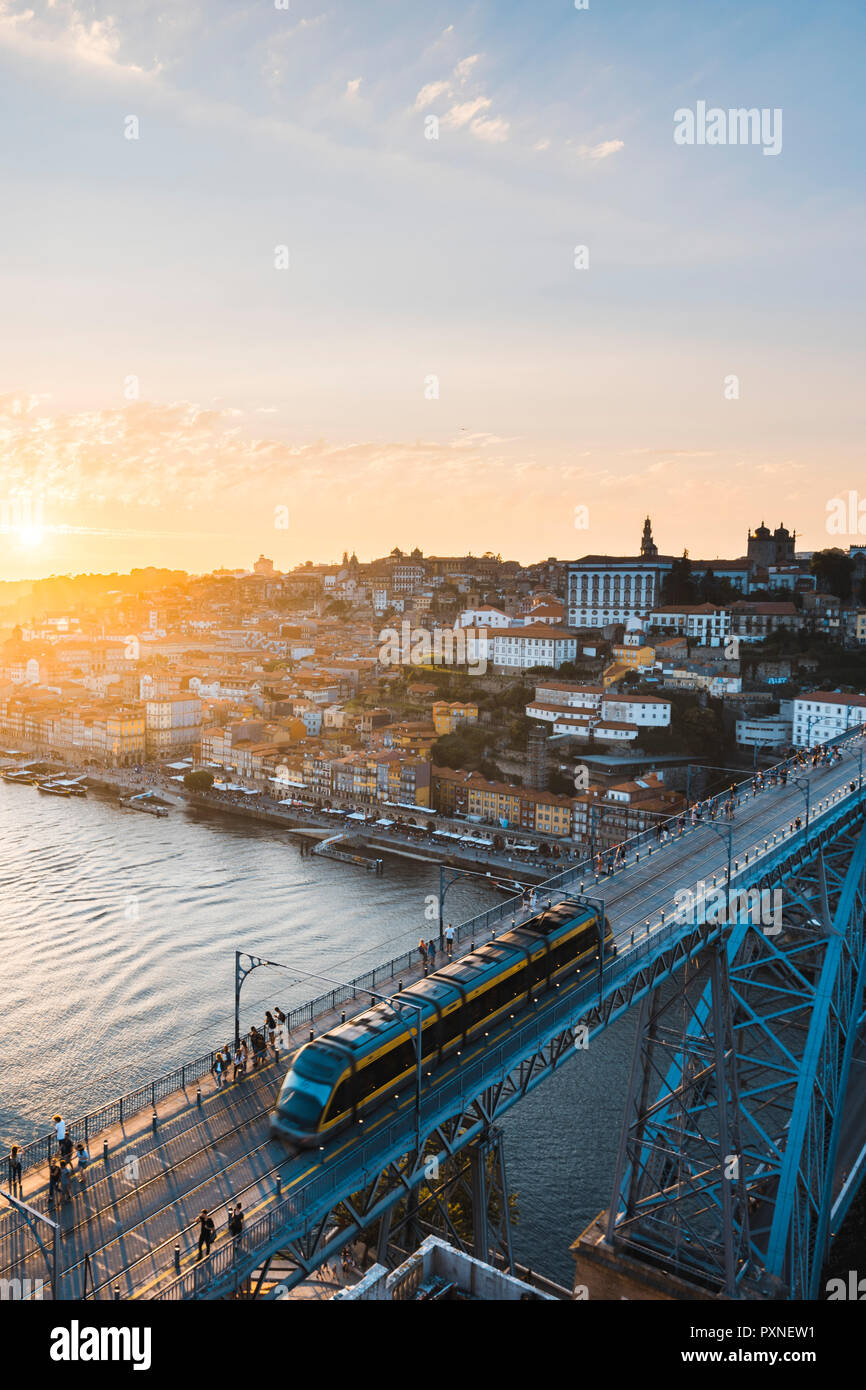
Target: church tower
pixel 648 548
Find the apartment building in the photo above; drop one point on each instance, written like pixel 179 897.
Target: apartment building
pixel 706 624
pixel 521 648
pixel 568 695
pixel 752 622
pixel 456 792
pixel 172 724
pixel 645 711
pixel 449 715
pixel 109 733
pixel 823 714
pixel 604 817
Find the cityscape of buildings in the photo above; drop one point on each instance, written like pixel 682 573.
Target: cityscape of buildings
pixel 284 685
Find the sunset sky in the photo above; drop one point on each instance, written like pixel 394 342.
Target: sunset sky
pixel 165 388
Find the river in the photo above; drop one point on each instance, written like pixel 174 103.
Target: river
pixel 117 940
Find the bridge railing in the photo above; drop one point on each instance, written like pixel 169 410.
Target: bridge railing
pixel 290 1215
pixel 475 928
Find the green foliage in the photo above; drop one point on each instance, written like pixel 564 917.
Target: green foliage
pixel 678 586
pixel 833 570
pixel 466 749
pixel 199 780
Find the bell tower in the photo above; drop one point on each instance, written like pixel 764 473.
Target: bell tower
pixel 648 548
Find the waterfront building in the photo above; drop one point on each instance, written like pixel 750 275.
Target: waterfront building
pixel 172 724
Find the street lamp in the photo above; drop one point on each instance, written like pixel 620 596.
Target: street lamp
pixel 804 787
pixel 241 972
pixel 443 889
pixel 727 830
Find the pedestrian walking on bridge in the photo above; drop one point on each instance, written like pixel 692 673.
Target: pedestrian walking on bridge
pixel 15 1170
pixel 83 1160
pixel 206 1233
pixel 53 1180
pixel 65 1183
pixel 236 1224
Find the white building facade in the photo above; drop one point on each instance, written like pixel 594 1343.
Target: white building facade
pixel 821 715
pixel 521 648
pixel 604 590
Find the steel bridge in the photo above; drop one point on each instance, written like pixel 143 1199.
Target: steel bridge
pixel 736 1163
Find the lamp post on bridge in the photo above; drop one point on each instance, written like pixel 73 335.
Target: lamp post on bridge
pixel 34 1220
pixel 804 787
pixel 241 972
pixel 443 889
pixel 727 830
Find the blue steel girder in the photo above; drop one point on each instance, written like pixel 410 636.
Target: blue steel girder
pixel 793 1001
pixel 466 1106
pixel 800 1231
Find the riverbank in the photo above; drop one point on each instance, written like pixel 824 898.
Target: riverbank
pixel 317 825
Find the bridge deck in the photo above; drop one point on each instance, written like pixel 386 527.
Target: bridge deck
pixel 123 1228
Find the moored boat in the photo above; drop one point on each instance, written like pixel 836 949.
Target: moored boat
pixel 53 789
pixel 144 801
pixel 63 786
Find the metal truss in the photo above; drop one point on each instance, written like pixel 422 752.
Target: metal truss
pixel 464 1198
pixel 728 1150
pixel 722 1234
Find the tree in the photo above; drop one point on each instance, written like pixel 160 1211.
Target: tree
pixel 833 569
pixel 199 780
pixel 678 586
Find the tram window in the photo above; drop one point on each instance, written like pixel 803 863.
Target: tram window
pixel 342 1098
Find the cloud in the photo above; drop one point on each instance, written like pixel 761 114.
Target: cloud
pixel 463 112
pixel 430 93
pixel 464 68
pixel 494 131
pixel 64 32
pixel 602 151
pixel 180 455
pixel 352 86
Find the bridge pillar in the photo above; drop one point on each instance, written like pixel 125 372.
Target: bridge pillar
pixel 733 1131
pixel 478 1170
pixel 679 1192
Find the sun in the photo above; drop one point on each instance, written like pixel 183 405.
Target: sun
pixel 29 536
